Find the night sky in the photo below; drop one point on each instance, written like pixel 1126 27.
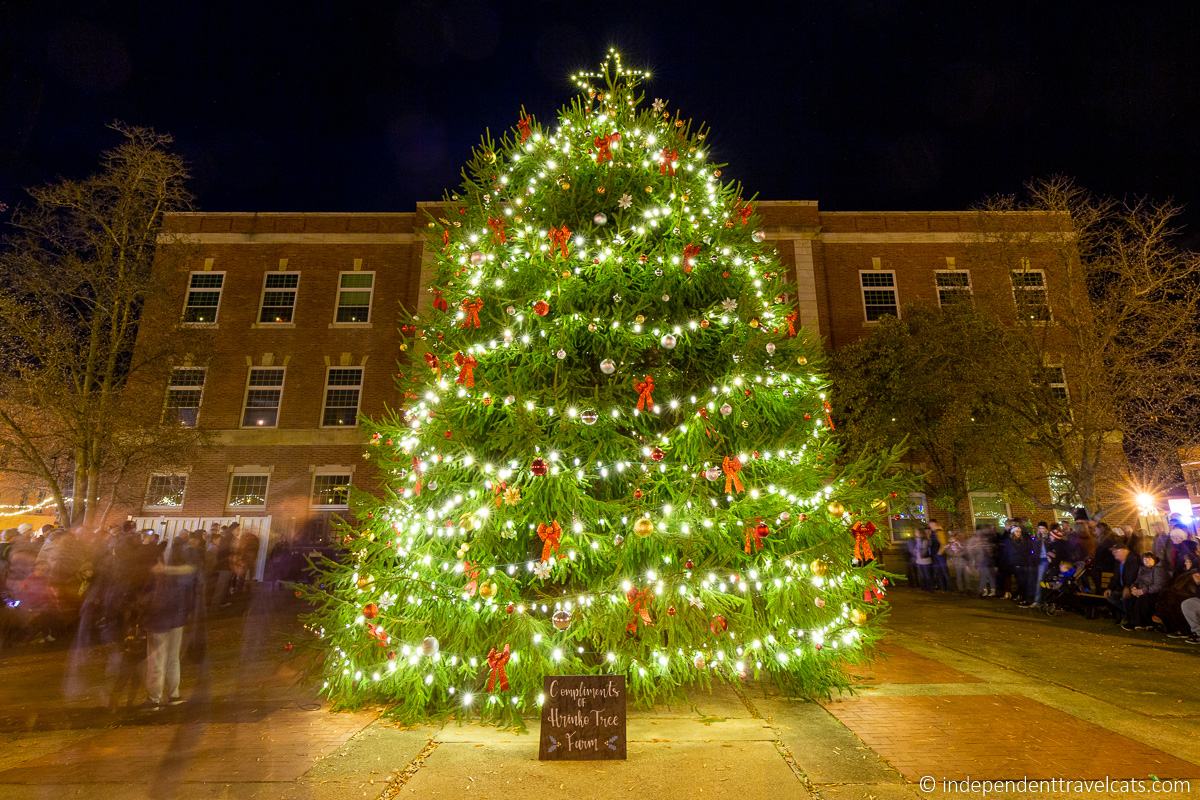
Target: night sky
pixel 364 107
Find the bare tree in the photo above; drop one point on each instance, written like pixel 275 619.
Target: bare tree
pixel 1114 314
pixel 75 273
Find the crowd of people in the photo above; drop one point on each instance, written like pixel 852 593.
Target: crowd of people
pixel 125 590
pixel 1148 582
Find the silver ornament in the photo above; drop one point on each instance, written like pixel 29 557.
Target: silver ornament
pixel 509 400
pixel 712 473
pixel 600 219
pixel 477 258
pixel 759 236
pixel 658 273
pixel 608 366
pixel 590 416
pixel 666 298
pixel 668 341
pixel 698 662
pixel 726 410
pixel 510 310
pixel 561 619
pixel 770 348
pixel 430 646
pixel 561 354
pixel 618 540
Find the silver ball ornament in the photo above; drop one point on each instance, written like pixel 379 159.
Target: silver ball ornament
pixel 589 416
pixel 712 473
pixel 430 647
pixel 608 366
pixel 600 219
pixel 770 348
pixel 759 236
pixel 477 258
pixel 561 354
pixel 726 410
pixel 561 619
pixel 668 341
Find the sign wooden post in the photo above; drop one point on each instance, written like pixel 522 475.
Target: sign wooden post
pixel 583 718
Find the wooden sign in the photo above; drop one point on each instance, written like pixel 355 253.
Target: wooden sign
pixel 583 718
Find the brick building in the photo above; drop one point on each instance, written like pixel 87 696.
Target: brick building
pixel 296 316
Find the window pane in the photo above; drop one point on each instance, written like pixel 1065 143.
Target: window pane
pixel 331 490
pixel 266 377
pixel 283 280
pixel 357 280
pixel 989 509
pixel 345 377
pixel 248 490
pixel 166 491
pixel 262 398
pixel 207 280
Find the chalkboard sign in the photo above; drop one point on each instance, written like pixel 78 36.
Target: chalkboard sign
pixel 583 718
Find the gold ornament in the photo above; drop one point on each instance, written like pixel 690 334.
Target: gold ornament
pixel 754 322
pixel 403 346
pixel 802 360
pixel 704 324
pixel 512 495
pixel 879 505
pixel 364 581
pixel 819 567
pixel 489 156
pixel 716 173
pixel 468 522
pixel 600 190
pixel 649 189
pixel 858 616
pixel 487 590
pixel 836 508
pixel 566 273
pixel 639 319
pixel 643 527
pixel 565 185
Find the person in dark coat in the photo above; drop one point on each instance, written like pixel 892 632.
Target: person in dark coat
pixel 170 605
pixel 1125 570
pixel 1151 580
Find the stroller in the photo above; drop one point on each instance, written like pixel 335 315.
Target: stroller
pixel 1064 591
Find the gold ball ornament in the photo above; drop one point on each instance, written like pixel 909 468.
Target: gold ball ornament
pixel 565 185
pixel 489 156
pixel 600 190
pixel 488 590
pixel 836 508
pixel 754 323
pixel 858 616
pixel 643 527
pixel 566 273
pixel 819 567
pixel 649 189
pixel 364 581
pixel 802 360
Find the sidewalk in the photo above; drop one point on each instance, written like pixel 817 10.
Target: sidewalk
pixel 967 688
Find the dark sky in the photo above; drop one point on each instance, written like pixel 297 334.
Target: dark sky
pixel 340 106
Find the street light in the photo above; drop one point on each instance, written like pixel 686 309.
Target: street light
pixel 1147 503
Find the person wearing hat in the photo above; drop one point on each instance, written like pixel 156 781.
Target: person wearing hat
pixel 1120 586
pixel 1150 581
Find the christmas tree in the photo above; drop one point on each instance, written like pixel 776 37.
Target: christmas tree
pixel 616 451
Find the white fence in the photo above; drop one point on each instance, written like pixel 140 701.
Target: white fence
pixel 169 527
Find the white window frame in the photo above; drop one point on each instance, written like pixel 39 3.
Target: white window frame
pixel 915 500
pixel 248 473
pixel 326 471
pixel 862 291
pixel 968 290
pixel 337 298
pixel 172 386
pixel 971 502
pixel 328 388
pixel 187 296
pixel 1025 269
pixel 158 507
pixel 246 396
pixel 295 292
pixel 1060 384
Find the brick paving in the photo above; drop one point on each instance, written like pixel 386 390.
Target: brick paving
pixel 899 665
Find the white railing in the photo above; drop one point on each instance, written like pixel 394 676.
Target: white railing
pixel 169 527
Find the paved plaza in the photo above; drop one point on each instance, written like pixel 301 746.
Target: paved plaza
pixel 966 689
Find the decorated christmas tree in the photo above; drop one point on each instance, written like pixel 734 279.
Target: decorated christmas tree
pixel 616 452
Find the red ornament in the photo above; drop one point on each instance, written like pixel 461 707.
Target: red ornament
pixel 639 602
pixel 370 611
pixel 689 257
pixel 862 533
pixel 725 274
pixel 541 308
pixel 792 319
pixel 539 467
pixel 523 127
pixel 391 655
pixel 289 647
pixel 439 302
pixel 670 611
pixel 802 517
pixel 510 608
pixel 602 144
pixel 718 625
pixel 637 494
pixel 755 536
pixel 466 369
pixel 657 454
pixel 689 564
pixel 449 434
pixel 745 211
pixel 471 309
pixel 551 536
pixel 667 161
pixel 497 660
pixel 497 225
pixel 731 466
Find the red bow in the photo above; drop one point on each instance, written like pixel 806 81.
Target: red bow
pixel 497 225
pixel 745 212
pixel 602 144
pixel 416 468
pixel 445 238
pixel 466 369
pixel 523 126
pixel 550 535
pixel 496 661
pixel 731 466
pixel 690 252
pixel 558 239
pixel 754 538
pixel 639 600
pixel 645 388
pixel 432 361
pixel 471 309
pixel 472 572
pixel 792 319
pixel 439 302
pixel 829 416
pixel 862 532
pixel 873 593
pixel 666 161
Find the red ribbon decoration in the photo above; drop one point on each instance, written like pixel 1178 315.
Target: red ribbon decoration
pixel 639 600
pixel 471 309
pixel 523 127
pixel 745 211
pixel 551 536
pixel 558 239
pixel 753 537
pixel 873 593
pixel 731 466
pixel 689 252
pixel 602 144
pixel 792 319
pixel 645 389
pixel 667 160
pixel 862 532
pixel 432 362
pixel 496 661
pixel 499 488
pixel 829 416
pixel 416 468
pixel 439 302
pixel 472 572
pixel 445 238
pixel 466 369
pixel 497 225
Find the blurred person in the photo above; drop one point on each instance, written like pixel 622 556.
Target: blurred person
pixel 1179 551
pixel 1119 593
pixel 1041 540
pixel 169 607
pixel 1180 589
pixel 921 550
pixel 1005 566
pixel 981 550
pixel 245 558
pixel 1150 581
pixel 956 558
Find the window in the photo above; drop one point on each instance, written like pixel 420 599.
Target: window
pixel 165 491
pixel 1056 380
pixel 279 297
pixel 879 294
pixel 988 508
pixel 264 390
pixel 907 516
pixel 1029 293
pixel 953 286
pixel 343 385
pixel 331 489
pixel 354 297
pixel 184 391
pixel 248 491
pixel 203 297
